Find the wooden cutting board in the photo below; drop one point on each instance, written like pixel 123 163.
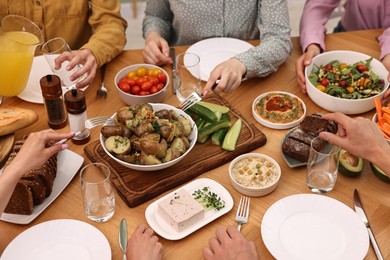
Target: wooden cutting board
pixel 136 187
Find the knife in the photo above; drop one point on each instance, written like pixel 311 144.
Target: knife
pixel 174 73
pixel 123 237
pixel 360 211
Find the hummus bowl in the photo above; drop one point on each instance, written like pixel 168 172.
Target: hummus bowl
pixel 278 110
pixel 254 174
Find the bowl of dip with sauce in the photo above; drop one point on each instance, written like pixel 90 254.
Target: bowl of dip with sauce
pixel 278 110
pixel 254 174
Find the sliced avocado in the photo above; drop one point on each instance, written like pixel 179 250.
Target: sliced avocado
pixel 379 173
pixel 350 165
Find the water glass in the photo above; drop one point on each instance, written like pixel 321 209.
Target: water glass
pixel 188 73
pixel 97 192
pixel 58 55
pixel 322 166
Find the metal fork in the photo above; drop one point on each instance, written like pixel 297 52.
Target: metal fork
pixel 89 124
pixel 242 211
pixel 191 100
pixel 102 91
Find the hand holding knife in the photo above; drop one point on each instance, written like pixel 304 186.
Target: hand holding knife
pixel 360 212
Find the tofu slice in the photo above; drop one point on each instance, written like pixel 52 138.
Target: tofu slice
pixel 180 210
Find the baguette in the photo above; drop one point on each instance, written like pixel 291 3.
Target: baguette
pixel 14 118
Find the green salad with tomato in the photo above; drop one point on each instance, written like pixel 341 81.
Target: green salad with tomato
pixel 354 81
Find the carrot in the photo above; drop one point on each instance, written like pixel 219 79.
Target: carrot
pixel 382 121
pixel 387 117
pixel 385 131
pixel 386 110
pixel 378 107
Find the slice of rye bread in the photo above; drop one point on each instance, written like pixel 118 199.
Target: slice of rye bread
pixel 297 144
pixel 296 149
pixel 21 201
pixel 37 188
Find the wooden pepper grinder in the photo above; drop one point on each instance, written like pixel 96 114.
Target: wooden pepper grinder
pixel 77 114
pixel 54 104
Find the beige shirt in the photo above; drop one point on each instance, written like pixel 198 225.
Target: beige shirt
pixel 89 24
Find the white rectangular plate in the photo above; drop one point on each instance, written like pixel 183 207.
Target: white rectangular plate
pixel 68 163
pixel 165 230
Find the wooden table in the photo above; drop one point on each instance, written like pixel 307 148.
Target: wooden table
pixel 374 192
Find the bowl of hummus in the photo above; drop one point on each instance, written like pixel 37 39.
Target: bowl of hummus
pixel 254 174
pixel 278 110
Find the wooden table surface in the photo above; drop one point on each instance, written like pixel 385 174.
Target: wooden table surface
pixel 374 193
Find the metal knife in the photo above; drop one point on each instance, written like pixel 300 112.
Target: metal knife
pixel 123 237
pixel 360 211
pixel 174 73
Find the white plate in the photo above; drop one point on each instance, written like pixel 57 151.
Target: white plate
pixel 68 163
pixel 165 230
pixel 213 51
pixel 310 226
pixel 40 68
pixel 59 239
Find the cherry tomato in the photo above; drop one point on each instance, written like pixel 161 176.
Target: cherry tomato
pixel 342 83
pixel 153 79
pixel 124 86
pixel 139 81
pixel 325 82
pixel 135 89
pixel 161 77
pixel 153 89
pixel 156 71
pixel 132 74
pixel 144 93
pixel 328 66
pixel 129 81
pixel 160 86
pixel 146 85
pixel 361 68
pixel 141 71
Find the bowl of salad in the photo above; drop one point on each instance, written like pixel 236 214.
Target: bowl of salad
pixel 346 81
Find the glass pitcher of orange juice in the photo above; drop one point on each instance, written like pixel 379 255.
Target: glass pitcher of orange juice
pixel 18 39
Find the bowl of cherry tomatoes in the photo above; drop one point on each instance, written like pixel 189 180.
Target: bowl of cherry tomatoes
pixel 141 83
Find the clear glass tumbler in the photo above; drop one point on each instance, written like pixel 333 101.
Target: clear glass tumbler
pixel 322 166
pixel 188 73
pixel 97 192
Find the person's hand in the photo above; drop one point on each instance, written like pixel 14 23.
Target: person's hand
pixel 37 149
pixel 143 245
pixel 303 61
pixel 229 73
pixel 386 63
pixel 156 50
pixel 87 62
pixel 230 244
pixel 359 136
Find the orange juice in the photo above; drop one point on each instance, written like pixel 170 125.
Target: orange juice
pixel 16 56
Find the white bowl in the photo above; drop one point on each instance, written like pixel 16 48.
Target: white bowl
pixel 255 191
pixel 130 99
pixel 335 104
pixel 192 137
pixel 269 124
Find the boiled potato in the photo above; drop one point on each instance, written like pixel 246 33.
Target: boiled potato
pixel 118 144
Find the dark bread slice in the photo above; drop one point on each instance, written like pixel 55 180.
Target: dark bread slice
pixel 47 178
pixel 37 187
pixel 296 149
pixel 21 201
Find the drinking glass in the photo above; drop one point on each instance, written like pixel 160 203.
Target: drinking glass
pixel 18 39
pixel 97 192
pixel 188 72
pixel 322 166
pixel 58 55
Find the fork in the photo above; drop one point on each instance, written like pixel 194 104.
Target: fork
pixel 89 124
pixel 242 211
pixel 102 91
pixel 193 98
